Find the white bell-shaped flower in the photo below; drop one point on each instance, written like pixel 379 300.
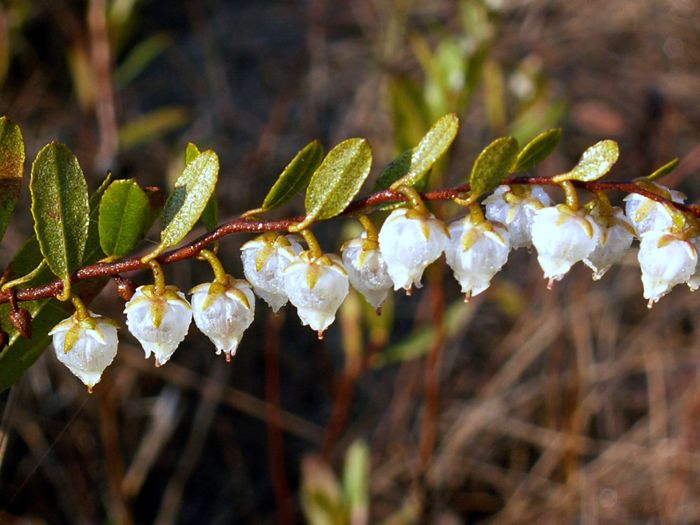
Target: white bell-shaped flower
pixel 409 241
pixel 693 281
pixel 86 346
pixel 648 215
pixel 613 242
pixel 666 260
pixel 367 270
pixel 477 250
pixel 223 311
pixel 515 208
pixel 316 287
pixel 264 260
pixel 562 238
pixel 159 322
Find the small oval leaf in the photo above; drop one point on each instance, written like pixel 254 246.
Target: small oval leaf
pixel 595 162
pixel 11 169
pixel 93 251
pixel 210 215
pixel 295 176
pixel 664 170
pixel 124 212
pixel 191 152
pixel 338 179
pixel 537 150
pixel 493 165
pixel 189 197
pixel 431 147
pixel 60 208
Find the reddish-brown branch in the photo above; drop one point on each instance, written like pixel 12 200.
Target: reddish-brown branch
pixel 243 225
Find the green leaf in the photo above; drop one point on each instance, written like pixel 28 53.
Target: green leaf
pixel 21 353
pixel 295 176
pixel 60 208
pixel 189 197
pixel 356 481
pixel 210 215
pixel 152 125
pixel 396 169
pixel 537 150
pixel 417 343
pixel 664 170
pixel 191 152
pixel 595 162
pixel 93 250
pixel 431 147
pixel 338 179
pixel 124 212
pixel 11 169
pixel 493 165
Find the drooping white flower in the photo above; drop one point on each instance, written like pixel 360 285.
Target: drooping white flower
pixel 223 312
pixel 409 241
pixel 666 260
pixel 264 260
pixel 562 238
pixel 159 322
pixel 476 252
pixel 693 281
pixel 648 215
pixel 86 346
pixel 515 207
pixel 316 287
pixel 367 270
pixel 614 241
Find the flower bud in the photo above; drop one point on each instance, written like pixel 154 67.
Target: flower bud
pixel 367 270
pixel 666 260
pixel 223 312
pixel 317 288
pixel 86 346
pixel 646 214
pixel 264 260
pixel 615 239
pixel 159 322
pixel 562 238
pixel 476 252
pixel 409 241
pixel 515 207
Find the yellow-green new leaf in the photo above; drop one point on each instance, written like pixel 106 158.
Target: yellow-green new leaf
pixel 295 176
pixel 537 150
pixel 210 215
pixel 595 162
pixel 338 179
pixel 431 147
pixel 60 208
pixel 189 197
pixel 493 165
pixel 664 170
pixel 11 169
pixel 124 214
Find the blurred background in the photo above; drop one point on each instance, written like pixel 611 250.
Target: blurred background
pixel 576 405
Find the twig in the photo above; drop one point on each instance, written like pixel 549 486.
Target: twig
pixel 275 439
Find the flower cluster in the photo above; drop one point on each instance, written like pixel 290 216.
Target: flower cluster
pixel 278 269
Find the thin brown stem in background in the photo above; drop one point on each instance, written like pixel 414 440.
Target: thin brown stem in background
pixel 275 438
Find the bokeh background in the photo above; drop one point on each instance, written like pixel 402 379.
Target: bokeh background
pixel 575 405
